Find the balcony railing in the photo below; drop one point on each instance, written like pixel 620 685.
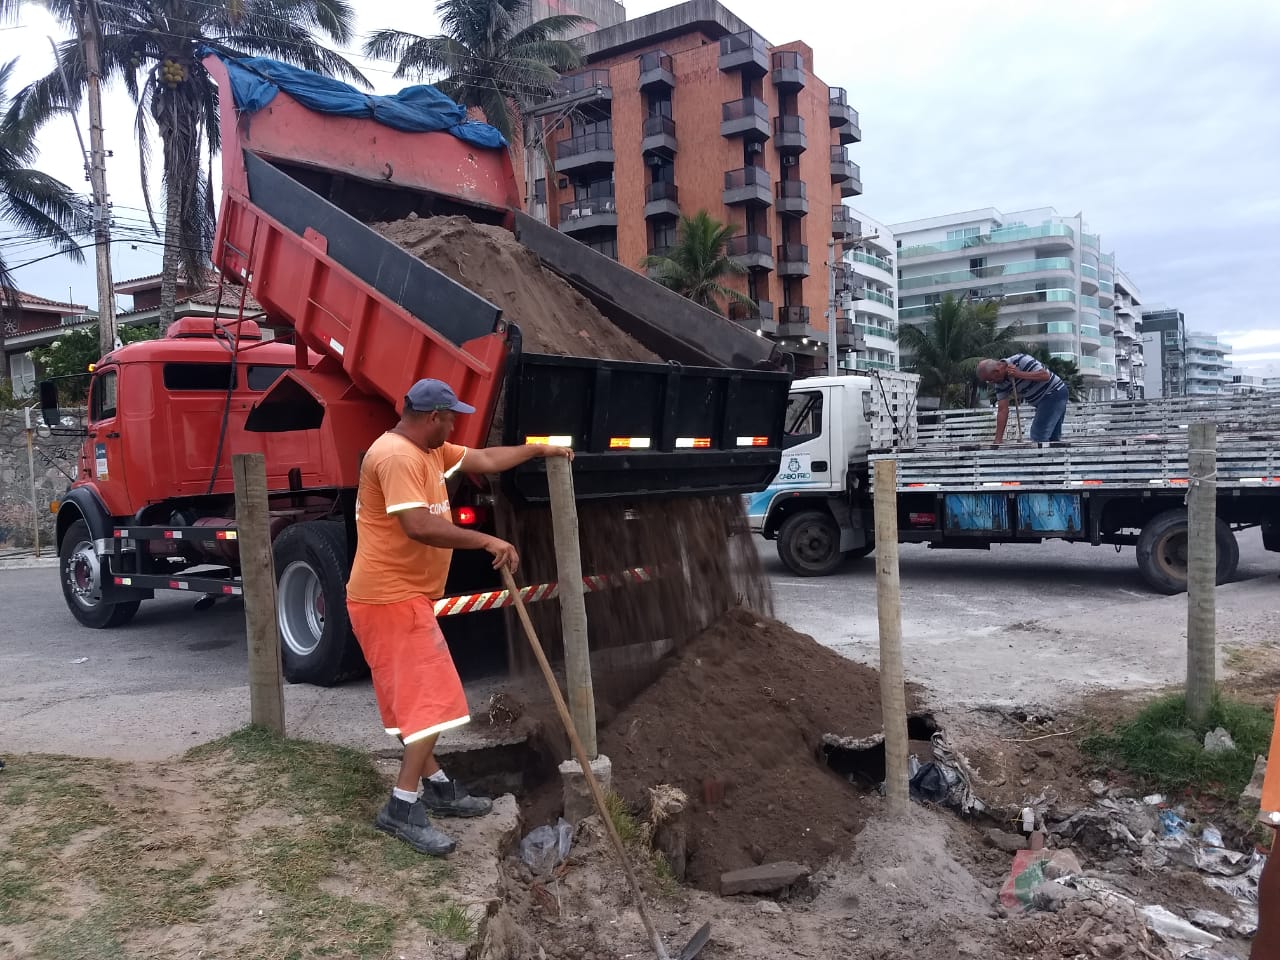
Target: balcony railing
pixel 747 40
pixel 1002 235
pixel 762 310
pixel 744 244
pixel 791 190
pixel 871 330
pixel 872 260
pixel 869 293
pixel 793 252
pixel 984 273
pixel 657 126
pixel 586 80
pixel 746 107
pixel 586 207
pixel 656 69
pixel 583 143
pixel 839 95
pixel 793 315
pixel 746 177
pixel 662 190
pixel 788 123
pixel 788 60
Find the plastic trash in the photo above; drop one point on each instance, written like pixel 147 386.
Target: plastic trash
pixel 1173 826
pixel 1174 930
pixel 1211 836
pixel 546 846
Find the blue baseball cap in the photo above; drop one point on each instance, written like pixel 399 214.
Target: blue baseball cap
pixel 428 396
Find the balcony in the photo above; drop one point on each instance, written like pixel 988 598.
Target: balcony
pixel 1045 235
pixel 749 185
pixel 844 119
pixel 788 134
pixel 752 250
pixel 846 173
pixel 587 86
pixel 843 223
pixel 849 337
pixel 759 319
pixel 793 260
pixel 584 151
pixel 661 200
pixel 589 213
pixel 656 72
pixel 794 322
pixel 744 51
pixel 748 118
pixel 659 136
pixel 871 260
pixel 788 71
pixel 790 196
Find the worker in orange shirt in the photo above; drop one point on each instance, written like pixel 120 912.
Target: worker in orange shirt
pixel 1266 942
pixel 405 540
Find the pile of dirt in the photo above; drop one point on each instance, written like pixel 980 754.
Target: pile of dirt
pixel 735 722
pixel 553 317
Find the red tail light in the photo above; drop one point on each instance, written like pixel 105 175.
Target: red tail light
pixel 466 517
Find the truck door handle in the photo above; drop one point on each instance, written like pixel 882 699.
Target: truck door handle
pixel 113 435
pixel 819 466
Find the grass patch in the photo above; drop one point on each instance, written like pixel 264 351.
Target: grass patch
pixel 1160 748
pixel 453 923
pixel 91 937
pixel 624 821
pixel 665 875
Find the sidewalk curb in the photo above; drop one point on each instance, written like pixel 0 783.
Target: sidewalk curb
pixel 28 563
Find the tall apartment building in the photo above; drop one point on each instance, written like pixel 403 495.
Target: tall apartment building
pixel 1164 347
pixel 873 304
pixel 1207 365
pixel 601 13
pixel 1049 275
pixel 1240 382
pixel 690 109
pixel 1130 363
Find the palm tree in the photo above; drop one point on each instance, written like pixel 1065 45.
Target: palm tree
pixel 38 205
pixel 1067 370
pixel 698 264
pixel 946 349
pixel 481 59
pixel 154 47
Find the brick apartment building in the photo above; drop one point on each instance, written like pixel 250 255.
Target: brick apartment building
pixel 689 109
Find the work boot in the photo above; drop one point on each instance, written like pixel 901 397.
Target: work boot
pixel 409 822
pixel 451 799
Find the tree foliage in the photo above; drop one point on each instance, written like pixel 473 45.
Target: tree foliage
pixel 697 266
pixel 946 348
pixel 74 351
pixel 154 48
pixel 481 60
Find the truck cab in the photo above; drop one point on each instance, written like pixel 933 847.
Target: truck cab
pixel 815 507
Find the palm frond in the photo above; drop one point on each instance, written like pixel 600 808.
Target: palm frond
pixel 551 28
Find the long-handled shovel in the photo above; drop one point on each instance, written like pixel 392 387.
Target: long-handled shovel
pixel 700 938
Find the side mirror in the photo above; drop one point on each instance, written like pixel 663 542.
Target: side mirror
pixel 49 403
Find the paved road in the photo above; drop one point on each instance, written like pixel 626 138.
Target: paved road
pixel 174 678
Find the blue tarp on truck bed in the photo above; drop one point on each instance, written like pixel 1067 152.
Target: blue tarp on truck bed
pixel 417 109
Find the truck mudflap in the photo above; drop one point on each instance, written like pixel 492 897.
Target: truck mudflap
pixel 646 429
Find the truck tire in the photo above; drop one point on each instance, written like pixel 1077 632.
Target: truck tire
pixel 80 569
pixel 316 642
pixel 809 544
pixel 1162 552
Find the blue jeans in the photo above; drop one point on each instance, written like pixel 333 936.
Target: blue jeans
pixel 1051 410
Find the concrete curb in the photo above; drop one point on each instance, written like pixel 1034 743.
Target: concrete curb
pixel 27 563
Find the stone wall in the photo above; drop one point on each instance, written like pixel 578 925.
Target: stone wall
pixel 52 455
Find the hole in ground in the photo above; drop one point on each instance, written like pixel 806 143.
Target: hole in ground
pixel 862 762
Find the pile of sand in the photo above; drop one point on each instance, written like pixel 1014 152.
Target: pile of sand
pixel 552 316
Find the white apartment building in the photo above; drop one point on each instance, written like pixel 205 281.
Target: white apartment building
pixel 1241 382
pixel 1048 273
pixel 1207 365
pixel 873 308
pixel 1130 363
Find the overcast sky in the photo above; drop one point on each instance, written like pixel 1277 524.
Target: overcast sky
pixel 1157 119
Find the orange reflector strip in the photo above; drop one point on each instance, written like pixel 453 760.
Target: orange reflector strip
pixel 753 441
pixel 629 443
pixel 1178 481
pixel 552 440
pixel 700 443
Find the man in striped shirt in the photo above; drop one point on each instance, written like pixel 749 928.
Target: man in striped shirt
pixel 1032 383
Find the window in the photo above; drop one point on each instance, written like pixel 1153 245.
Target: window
pixel 540 190
pixel 606 245
pixel 22 374
pixel 259 378
pixel 198 376
pixel 962 233
pixel 660 105
pixel 664 234
pixel 977 263
pixel 804 418
pixel 103 404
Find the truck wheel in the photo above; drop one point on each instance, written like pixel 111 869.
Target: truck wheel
pixel 1162 552
pixel 809 544
pixel 81 574
pixel 316 643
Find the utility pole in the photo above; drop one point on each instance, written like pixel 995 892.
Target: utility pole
pixel 91 37
pixel 833 368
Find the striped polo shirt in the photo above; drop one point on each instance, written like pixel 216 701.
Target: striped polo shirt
pixel 1029 391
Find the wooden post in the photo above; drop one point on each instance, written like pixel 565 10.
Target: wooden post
pixel 258 576
pixel 573 607
pixel 893 696
pixel 1202 568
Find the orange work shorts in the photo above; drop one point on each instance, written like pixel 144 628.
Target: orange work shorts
pixel 1271 782
pixel 414 679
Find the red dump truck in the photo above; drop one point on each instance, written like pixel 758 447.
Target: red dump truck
pixel 361 319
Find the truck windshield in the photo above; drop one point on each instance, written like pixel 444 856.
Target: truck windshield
pixel 804 418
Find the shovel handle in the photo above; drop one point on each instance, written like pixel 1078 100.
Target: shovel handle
pixel 584 761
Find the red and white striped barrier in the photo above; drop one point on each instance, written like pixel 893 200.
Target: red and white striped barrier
pixel 497 599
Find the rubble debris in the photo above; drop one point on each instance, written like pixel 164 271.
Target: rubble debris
pixel 767 878
pixel 1061 864
pixel 768 906
pixel 1251 797
pixel 1004 840
pixel 1218 740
